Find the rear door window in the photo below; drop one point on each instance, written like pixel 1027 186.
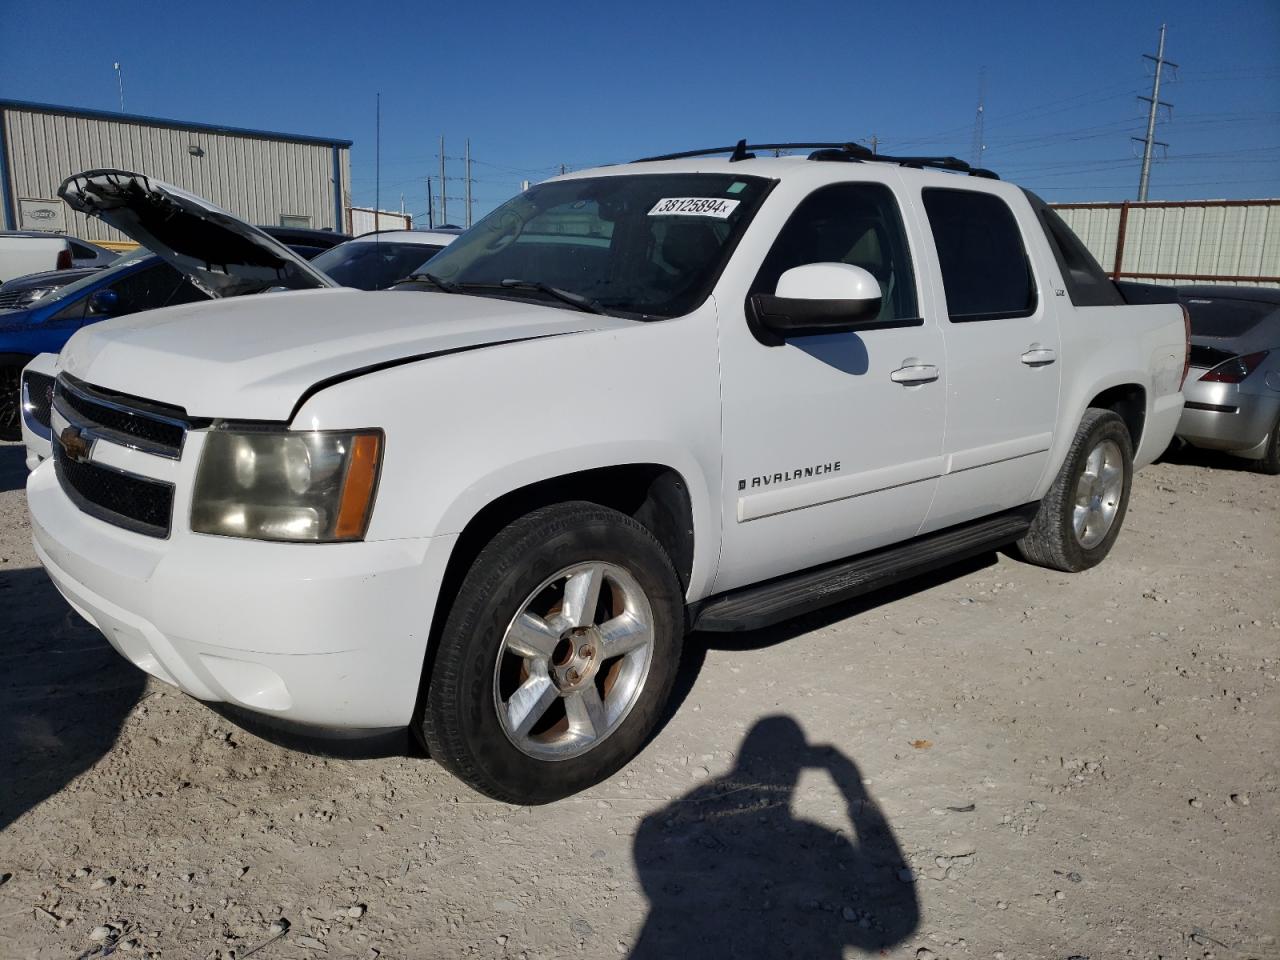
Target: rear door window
pixel 985 271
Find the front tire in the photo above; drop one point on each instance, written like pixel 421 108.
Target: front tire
pixel 557 656
pixel 1081 515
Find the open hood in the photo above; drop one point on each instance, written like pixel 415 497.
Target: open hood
pixel 219 253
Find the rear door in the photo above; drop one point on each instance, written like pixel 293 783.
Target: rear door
pixel 1000 323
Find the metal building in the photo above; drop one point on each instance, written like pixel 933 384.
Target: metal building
pixel 265 178
pixel 1187 241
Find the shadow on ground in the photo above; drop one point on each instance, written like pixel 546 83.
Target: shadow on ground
pixel 1185 455
pixel 730 871
pixel 64 694
pixel 13 466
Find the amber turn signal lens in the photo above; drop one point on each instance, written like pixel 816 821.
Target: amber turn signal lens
pixel 357 489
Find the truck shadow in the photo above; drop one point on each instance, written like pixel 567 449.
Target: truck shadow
pixel 697 644
pixel 64 695
pixel 730 871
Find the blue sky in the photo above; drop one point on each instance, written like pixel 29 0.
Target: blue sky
pixel 539 85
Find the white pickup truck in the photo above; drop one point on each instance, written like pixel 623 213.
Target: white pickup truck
pixel 691 392
pixel 22 253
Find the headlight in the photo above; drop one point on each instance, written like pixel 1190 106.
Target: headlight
pixel 313 487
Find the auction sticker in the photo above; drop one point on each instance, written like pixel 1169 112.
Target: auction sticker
pixel 694 207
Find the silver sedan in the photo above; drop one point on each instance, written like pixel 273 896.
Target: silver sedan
pixel 1233 388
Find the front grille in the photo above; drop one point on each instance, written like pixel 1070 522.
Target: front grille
pixel 135 503
pixel 128 421
pixel 82 417
pixel 12 299
pixel 37 396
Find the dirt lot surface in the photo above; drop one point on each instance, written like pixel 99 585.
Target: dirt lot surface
pixel 999 761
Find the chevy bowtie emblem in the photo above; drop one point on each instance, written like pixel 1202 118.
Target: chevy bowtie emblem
pixel 75 445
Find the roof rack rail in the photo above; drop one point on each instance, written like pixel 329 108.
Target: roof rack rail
pixel 846 152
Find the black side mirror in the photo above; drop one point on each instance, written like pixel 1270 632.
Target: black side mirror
pixel 103 302
pixel 817 298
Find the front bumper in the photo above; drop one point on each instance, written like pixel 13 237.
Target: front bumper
pixel 330 635
pixel 1222 416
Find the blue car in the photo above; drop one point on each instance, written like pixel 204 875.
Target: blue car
pixel 140 281
pixel 39 315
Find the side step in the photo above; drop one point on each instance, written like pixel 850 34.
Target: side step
pixel 762 604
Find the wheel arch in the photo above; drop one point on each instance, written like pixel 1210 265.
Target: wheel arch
pixel 1129 402
pixel 655 494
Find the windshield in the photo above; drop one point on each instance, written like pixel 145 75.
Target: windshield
pixel 647 245
pixel 117 266
pixel 373 264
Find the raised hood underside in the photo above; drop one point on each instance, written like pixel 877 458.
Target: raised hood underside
pixel 218 252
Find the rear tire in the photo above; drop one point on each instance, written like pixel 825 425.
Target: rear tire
pixel 1081 515
pixel 595 673
pixel 1270 463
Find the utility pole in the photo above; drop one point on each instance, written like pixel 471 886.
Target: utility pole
pixel 444 187
pixel 979 140
pixel 1150 141
pixel 431 205
pixel 377 164
pixel 467 163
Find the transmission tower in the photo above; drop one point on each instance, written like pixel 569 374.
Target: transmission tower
pixel 979 146
pixel 1149 142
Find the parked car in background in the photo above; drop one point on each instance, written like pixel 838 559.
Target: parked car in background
pixel 1233 390
pixel 43 313
pixel 86 254
pixel 26 290
pixel 374 261
pixel 22 253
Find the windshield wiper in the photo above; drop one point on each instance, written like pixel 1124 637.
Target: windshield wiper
pixel 435 281
pixel 586 304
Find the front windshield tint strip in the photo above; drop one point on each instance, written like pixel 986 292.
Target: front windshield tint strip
pixel 608 241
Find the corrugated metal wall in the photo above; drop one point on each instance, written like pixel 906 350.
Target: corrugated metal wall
pixel 254 177
pixel 1200 241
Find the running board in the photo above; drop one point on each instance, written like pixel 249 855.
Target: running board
pixel 763 604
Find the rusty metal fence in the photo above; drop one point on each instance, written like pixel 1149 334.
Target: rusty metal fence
pixel 1188 241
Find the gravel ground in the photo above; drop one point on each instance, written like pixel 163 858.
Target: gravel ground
pixel 997 761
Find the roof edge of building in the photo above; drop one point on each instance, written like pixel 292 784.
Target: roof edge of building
pixel 33 107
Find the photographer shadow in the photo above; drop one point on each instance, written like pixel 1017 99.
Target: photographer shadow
pixel 731 872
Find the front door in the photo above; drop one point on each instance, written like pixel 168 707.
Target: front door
pixel 833 443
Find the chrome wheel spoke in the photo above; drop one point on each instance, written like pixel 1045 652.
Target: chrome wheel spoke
pixel 622 635
pixel 587 714
pixel 581 595
pixel 1093 466
pixel 530 702
pixel 554 651
pixel 530 636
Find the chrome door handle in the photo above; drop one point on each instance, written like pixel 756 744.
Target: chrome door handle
pixel 1038 356
pixel 915 373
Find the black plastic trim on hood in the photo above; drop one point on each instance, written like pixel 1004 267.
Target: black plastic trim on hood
pixel 220 253
pixel 337 378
